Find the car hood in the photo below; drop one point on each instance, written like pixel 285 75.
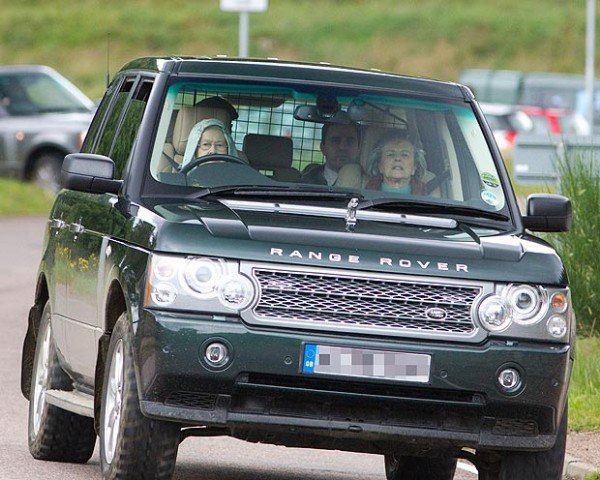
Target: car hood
pixel 213 229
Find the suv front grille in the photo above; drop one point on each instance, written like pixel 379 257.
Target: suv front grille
pixel 372 305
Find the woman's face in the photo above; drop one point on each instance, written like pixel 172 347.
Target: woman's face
pixel 397 162
pixel 212 141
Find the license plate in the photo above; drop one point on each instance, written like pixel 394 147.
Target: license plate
pixel 365 363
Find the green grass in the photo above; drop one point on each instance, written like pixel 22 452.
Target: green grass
pixel 584 393
pixel 19 198
pixel 436 38
pixel 580 181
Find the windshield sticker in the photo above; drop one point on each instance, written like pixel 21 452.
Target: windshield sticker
pixel 490 180
pixel 489 198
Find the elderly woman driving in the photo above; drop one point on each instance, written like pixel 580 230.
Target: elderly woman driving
pixel 396 165
pixel 208 137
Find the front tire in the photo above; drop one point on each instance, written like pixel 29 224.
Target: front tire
pixel 546 465
pixel 419 468
pixel 53 433
pixel 131 445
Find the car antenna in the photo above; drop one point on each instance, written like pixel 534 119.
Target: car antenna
pixel 107 59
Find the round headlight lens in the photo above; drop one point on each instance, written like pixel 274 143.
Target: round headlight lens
pixel 164 269
pixel 163 294
pixel 202 275
pixel 557 326
pixel 525 301
pixel 236 292
pixel 494 314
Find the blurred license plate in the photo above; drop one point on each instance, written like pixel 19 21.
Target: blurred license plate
pixel 364 363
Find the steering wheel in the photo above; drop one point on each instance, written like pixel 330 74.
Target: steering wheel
pixel 215 157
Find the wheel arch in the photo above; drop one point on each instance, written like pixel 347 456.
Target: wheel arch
pixel 115 305
pixel 38 151
pixel 33 322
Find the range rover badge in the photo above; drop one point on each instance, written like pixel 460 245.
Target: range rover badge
pixel 436 313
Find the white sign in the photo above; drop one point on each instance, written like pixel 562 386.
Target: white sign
pixel 244 5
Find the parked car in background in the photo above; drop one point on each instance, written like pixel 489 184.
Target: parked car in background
pixel 556 121
pixel 506 121
pixel 43 117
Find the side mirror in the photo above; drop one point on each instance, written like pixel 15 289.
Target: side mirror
pixel 90 173
pixel 548 213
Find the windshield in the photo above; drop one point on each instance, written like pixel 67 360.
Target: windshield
pixel 33 93
pixel 377 146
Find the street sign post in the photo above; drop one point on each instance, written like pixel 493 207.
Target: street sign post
pixel 244 7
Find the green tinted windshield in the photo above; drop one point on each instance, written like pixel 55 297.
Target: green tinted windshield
pixel 379 145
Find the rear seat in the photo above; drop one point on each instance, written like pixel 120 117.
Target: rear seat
pixel 271 155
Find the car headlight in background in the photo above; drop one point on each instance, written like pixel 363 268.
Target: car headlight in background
pixel 202 284
pixel 529 311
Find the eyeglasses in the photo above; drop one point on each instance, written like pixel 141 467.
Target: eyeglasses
pixel 205 146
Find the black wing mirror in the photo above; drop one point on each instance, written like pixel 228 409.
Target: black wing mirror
pixel 548 213
pixel 90 173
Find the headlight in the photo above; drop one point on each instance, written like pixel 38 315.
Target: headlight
pixel 527 302
pixel 527 311
pixel 557 326
pixel 201 284
pixel 494 313
pixel 202 275
pixel 236 292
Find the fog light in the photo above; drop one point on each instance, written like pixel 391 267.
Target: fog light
pixel 509 380
pixel 557 327
pixel 216 354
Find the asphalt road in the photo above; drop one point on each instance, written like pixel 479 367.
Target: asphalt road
pixel 218 458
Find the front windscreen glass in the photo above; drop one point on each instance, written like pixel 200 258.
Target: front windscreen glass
pixel 35 93
pixel 381 146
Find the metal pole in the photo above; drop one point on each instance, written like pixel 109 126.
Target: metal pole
pixel 590 41
pixel 244 28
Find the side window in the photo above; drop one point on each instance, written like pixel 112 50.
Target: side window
pixel 105 142
pixel 90 138
pixel 130 124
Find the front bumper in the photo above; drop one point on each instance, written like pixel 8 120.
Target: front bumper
pixel 262 395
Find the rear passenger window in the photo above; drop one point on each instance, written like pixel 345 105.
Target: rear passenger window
pixel 106 140
pixel 130 124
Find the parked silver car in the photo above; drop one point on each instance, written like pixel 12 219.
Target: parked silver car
pixel 43 117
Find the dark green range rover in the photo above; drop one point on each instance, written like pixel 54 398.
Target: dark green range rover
pixel 303 255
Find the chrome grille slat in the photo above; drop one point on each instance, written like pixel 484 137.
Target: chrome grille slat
pixel 373 305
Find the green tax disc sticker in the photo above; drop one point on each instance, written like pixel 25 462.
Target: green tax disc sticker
pixel 490 180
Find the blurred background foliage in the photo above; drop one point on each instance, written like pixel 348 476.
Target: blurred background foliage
pixel 435 38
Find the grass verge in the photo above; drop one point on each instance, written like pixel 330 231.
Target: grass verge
pixel 584 392
pixel 21 198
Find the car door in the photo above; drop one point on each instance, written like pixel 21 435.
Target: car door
pixel 90 245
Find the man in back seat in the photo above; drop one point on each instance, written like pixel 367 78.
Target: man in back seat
pixel 339 145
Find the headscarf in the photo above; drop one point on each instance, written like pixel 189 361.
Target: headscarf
pixel 196 134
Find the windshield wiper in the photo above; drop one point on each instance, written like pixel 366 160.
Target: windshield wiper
pixel 403 205
pixel 271 191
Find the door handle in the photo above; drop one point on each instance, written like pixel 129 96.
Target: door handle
pixel 76 228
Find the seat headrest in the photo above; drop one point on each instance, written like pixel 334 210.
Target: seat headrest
pixel 268 152
pixel 187 117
